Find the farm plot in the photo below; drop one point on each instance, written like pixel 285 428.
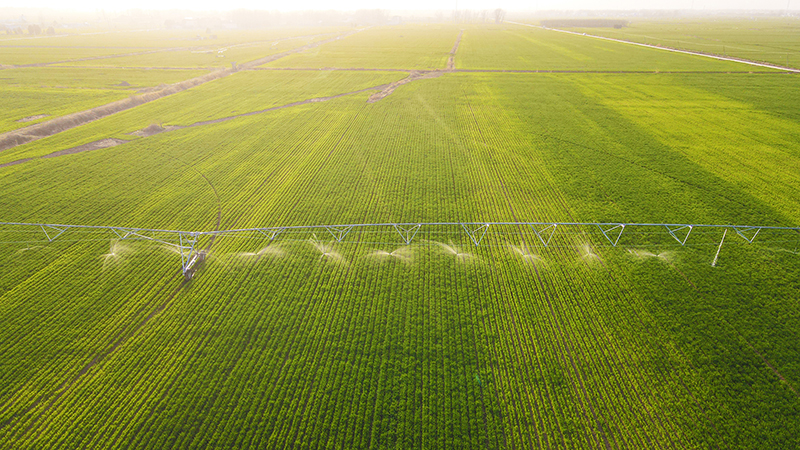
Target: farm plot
pixel 240 94
pixel 18 56
pixel 770 40
pixel 313 343
pixel 207 54
pixel 751 149
pixel 158 48
pixel 32 95
pixel 400 47
pixel 517 47
pixel 155 39
pixel 357 350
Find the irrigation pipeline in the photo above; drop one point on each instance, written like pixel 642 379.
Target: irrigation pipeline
pixel 186 242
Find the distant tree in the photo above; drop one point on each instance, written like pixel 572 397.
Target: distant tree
pixel 499 15
pixel 34 29
pixel 51 31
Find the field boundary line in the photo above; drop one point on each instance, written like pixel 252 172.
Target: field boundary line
pixel 545 71
pixel 669 49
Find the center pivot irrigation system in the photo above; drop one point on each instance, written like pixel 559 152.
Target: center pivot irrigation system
pixel 187 242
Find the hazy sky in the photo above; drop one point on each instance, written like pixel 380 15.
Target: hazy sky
pixel 527 5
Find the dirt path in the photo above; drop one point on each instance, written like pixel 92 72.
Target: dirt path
pixel 451 62
pixel 331 69
pixel 415 75
pixel 655 72
pixel 198 68
pixel 104 143
pixel 669 49
pixel 288 105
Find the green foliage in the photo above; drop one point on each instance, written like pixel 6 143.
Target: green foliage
pixel 402 47
pixel 517 47
pixel 766 39
pixel 57 91
pixel 308 343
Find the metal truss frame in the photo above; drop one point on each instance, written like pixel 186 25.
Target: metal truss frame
pixel 476 233
pixel 673 229
pixel 407 233
pixel 541 231
pixel 608 230
pixel 186 241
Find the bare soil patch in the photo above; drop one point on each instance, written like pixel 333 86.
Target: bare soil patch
pixel 96 145
pixel 33 132
pixel 32 118
pixel 451 62
pixel 13 163
pixel 153 129
pixel 415 75
pixel 288 105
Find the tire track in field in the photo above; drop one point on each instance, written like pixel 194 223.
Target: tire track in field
pixel 743 338
pixel 688 361
pixel 585 401
pixel 157 407
pixel 62 389
pixel 451 61
pixel 122 337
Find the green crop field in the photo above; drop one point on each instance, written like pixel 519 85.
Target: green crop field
pixel 55 91
pixel 307 341
pixel 513 47
pixel 407 47
pixel 770 40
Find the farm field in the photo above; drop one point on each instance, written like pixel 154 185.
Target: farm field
pixel 164 38
pixel 770 40
pixel 50 92
pixel 217 55
pixel 406 47
pixel 515 47
pixel 306 342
